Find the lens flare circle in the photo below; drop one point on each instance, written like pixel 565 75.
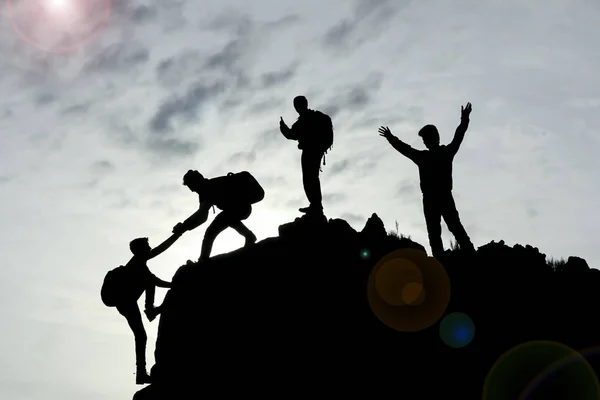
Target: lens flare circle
pixel 408 291
pixel 365 254
pixel 392 281
pixel 58 7
pixel 541 370
pixel 413 294
pixel 457 330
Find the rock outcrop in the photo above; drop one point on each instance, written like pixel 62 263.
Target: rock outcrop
pixel 292 315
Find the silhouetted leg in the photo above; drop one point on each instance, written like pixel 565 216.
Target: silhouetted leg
pixel 132 313
pixel 311 163
pixel 152 313
pixel 150 293
pixel 452 219
pixel 242 229
pixel 433 220
pixel 221 222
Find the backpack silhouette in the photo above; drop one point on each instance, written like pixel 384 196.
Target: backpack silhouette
pixel 325 132
pixel 235 189
pixel 114 286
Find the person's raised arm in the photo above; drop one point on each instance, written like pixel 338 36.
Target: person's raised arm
pixel 286 131
pixel 459 135
pixel 403 148
pixel 164 245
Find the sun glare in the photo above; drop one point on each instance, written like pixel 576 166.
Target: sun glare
pixel 64 14
pixel 57 3
pixel 60 26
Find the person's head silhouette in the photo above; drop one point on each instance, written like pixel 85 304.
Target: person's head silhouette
pixel 194 180
pixel 140 246
pixel 430 136
pixel 300 104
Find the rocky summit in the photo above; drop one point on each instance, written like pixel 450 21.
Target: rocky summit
pixel 324 309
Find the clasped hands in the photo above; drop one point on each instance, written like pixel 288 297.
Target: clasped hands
pixel 179 229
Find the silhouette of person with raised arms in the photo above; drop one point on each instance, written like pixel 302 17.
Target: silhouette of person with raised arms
pixel 435 171
pixel 123 287
pixel 314 132
pixel 234 194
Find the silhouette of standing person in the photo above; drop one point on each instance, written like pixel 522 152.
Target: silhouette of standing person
pixel 131 281
pixel 435 171
pixel 314 132
pixel 212 192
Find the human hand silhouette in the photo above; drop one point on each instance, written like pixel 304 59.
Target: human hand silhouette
pixel 282 124
pixel 178 229
pixel 465 111
pixel 385 132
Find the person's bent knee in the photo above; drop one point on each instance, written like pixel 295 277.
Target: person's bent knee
pixel 126 308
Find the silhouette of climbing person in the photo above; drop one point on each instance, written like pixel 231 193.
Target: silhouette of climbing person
pixel 138 279
pixel 314 132
pixel 435 171
pixel 210 194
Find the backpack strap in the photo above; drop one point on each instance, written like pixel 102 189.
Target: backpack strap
pixel 228 174
pixel 325 157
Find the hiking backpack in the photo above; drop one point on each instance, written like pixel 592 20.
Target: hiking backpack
pixel 113 286
pixel 325 132
pixel 235 189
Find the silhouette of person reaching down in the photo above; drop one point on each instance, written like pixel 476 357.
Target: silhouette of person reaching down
pixel 314 132
pixel 123 287
pixel 435 171
pixel 232 194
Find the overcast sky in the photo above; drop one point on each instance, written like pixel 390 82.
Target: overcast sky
pixel 95 141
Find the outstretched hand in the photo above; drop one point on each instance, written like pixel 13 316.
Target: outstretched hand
pixel 465 111
pixel 385 132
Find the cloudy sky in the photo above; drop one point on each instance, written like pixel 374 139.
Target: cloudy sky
pixel 103 110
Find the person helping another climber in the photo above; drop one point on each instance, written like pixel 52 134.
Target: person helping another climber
pixel 435 171
pixel 123 286
pixel 234 194
pixel 314 132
